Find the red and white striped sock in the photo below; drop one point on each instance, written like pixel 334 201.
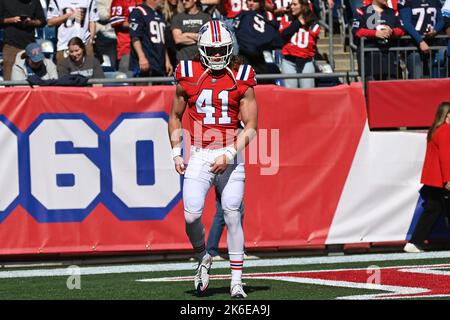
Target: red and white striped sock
pixel 236 265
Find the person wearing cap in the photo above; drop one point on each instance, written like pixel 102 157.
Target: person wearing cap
pixel 19 19
pixel 32 62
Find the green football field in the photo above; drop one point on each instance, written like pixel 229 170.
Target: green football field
pixel 368 276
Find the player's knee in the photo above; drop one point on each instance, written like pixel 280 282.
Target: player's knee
pixel 231 203
pixel 193 205
pixel 233 220
pixel 190 217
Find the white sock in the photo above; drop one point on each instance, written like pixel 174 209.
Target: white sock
pixel 236 265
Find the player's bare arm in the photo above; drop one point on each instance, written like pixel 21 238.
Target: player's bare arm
pixel 176 115
pixel 249 116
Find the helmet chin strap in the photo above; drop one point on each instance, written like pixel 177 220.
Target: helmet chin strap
pixel 232 77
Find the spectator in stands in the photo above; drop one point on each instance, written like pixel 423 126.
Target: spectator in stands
pixel 105 40
pixel 379 24
pixel 435 178
pixel 73 18
pixel 185 27
pixel 120 11
pixel 422 20
pixel 170 9
pixel 257 30
pixel 19 18
pixel 32 61
pixel 149 55
pixel 79 62
pixel 300 33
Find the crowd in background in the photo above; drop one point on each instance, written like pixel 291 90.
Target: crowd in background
pixel 146 38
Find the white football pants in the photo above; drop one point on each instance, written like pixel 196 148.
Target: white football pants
pixel 197 182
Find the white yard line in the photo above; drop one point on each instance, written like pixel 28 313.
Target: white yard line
pixel 223 264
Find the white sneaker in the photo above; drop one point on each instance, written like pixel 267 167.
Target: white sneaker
pixel 237 291
pixel 201 279
pixel 411 248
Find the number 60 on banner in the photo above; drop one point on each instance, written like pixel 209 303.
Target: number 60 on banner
pixel 63 166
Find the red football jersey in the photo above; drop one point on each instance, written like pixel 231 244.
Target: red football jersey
pixel 120 11
pixel 213 102
pixel 303 42
pixel 233 7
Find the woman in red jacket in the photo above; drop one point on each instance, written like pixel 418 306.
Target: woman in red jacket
pixel 435 177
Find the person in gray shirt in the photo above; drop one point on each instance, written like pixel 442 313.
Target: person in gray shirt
pixel 78 62
pixel 185 27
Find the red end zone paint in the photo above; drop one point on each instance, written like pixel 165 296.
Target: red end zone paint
pixel 401 282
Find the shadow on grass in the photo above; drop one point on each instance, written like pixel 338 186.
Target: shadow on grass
pixel 211 292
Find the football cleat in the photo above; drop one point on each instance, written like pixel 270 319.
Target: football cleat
pixel 237 291
pixel 412 248
pixel 201 279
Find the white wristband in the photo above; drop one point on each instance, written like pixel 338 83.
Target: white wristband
pixel 176 152
pixel 230 152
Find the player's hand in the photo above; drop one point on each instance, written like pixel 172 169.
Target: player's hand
pixel 144 65
pixel 424 47
pixel 447 185
pixel 220 165
pixel 179 165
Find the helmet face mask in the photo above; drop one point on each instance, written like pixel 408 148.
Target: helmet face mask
pixel 215 45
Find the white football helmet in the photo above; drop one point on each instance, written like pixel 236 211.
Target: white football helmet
pixel 215 44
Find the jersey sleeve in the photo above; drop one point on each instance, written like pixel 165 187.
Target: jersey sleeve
pixel 137 23
pixel 245 77
pixel 184 72
pixel 117 13
pixel 93 12
pixel 53 10
pixel 315 30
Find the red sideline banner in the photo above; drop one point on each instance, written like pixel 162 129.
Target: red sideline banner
pixel 405 103
pixel 89 169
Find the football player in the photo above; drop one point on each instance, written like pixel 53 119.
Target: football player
pixel 218 93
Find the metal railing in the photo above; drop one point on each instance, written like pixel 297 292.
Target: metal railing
pixel 404 59
pixel 400 50
pixel 326 22
pixel 346 77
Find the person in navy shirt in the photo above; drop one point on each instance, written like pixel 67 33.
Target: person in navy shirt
pixel 422 20
pixel 149 56
pixel 257 30
pixel 379 25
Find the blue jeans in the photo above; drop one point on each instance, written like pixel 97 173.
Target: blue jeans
pixel 288 66
pixel 414 64
pixel 215 233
